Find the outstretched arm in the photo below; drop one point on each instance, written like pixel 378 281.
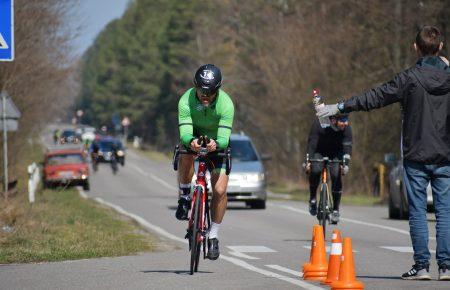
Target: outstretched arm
pixel 381 96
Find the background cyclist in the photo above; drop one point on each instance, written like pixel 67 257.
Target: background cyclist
pixel 207 110
pixel 334 142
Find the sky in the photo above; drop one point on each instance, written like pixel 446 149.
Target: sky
pixel 90 17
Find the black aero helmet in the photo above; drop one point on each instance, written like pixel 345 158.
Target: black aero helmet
pixel 208 79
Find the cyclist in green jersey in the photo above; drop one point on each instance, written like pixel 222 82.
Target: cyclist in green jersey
pixel 205 110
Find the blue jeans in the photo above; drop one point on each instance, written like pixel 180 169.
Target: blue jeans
pixel 416 177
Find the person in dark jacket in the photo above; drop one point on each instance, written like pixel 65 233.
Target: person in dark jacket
pixel 334 142
pixel 423 91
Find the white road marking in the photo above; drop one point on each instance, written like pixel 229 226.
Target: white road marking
pixel 327 248
pixel 156 178
pixel 295 281
pixel 142 221
pixel 286 270
pixel 392 229
pixel 232 260
pixel 242 255
pixel 402 249
pixel 251 249
pixel 239 251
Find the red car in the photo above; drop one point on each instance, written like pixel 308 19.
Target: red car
pixel 66 167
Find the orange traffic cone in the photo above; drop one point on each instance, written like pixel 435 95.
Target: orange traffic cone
pixel 317 269
pixel 312 243
pixel 335 258
pixel 347 278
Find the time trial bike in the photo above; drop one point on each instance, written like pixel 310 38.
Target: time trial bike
pixel 200 218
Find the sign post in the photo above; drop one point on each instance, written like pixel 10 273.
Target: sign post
pixel 6 30
pixel 10 115
pixel 5 148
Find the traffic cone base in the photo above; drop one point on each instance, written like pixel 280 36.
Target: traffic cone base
pixel 315 276
pixel 315 268
pixel 347 276
pixel 344 285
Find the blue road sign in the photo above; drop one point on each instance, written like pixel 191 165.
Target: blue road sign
pixel 6 30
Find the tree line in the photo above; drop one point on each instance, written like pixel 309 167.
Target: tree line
pixel 272 54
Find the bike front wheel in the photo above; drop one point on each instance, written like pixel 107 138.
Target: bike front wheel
pixel 323 208
pixel 196 232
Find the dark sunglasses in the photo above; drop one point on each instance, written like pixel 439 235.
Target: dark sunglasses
pixel 341 119
pixel 205 93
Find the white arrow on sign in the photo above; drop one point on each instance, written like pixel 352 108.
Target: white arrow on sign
pixel 3 44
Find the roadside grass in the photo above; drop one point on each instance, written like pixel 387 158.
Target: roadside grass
pixel 63 226
pixel 295 193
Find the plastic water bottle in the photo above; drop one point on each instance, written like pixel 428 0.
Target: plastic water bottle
pixel 318 105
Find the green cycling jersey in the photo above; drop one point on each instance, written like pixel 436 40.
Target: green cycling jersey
pixel 214 121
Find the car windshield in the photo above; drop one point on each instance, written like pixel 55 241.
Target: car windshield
pixel 242 150
pixel 107 145
pixel 65 159
pixel 68 133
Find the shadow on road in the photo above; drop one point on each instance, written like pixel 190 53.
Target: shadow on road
pixel 228 208
pixel 381 277
pixel 297 240
pixel 178 272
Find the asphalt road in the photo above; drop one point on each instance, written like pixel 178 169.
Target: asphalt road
pixel 260 249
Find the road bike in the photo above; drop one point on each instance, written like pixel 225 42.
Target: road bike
pixel 325 206
pixel 200 218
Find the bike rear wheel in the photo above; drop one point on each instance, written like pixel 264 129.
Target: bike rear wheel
pixel 196 232
pixel 323 208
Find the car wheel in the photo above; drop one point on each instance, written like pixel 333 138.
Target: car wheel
pixel 257 204
pixel 394 212
pixel 86 186
pixel 404 211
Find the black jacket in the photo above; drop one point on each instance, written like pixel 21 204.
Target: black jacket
pixel 328 142
pixel 424 93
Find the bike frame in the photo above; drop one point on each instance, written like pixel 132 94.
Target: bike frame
pixel 201 182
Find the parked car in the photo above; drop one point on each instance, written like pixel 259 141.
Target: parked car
pixel 70 136
pixel 65 167
pixel 398 200
pixel 247 180
pixel 105 150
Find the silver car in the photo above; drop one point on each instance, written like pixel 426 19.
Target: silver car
pixel 248 177
pixel 247 181
pixel 398 201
